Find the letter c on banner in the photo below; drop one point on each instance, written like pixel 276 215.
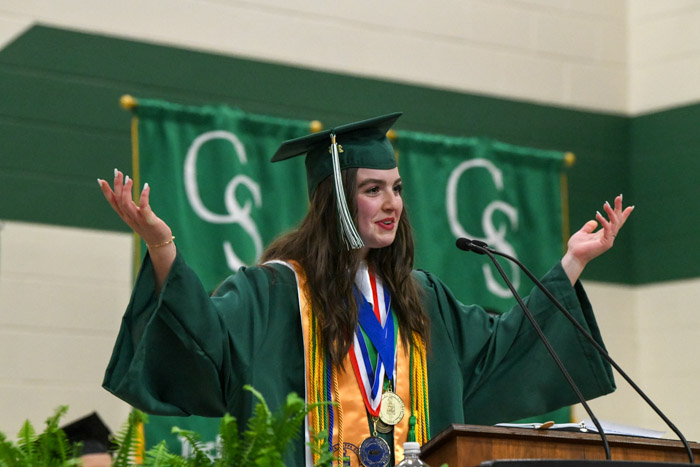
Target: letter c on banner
pixel 236 214
pixel 496 238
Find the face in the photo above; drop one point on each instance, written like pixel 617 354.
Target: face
pixel 96 460
pixel 379 206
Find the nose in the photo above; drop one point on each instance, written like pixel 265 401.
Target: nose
pixel 392 201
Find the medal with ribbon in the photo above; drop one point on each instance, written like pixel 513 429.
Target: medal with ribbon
pixel 377 324
pixel 374 339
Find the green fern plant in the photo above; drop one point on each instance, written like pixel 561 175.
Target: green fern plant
pixel 262 444
pixel 9 453
pixel 128 439
pixel 50 448
pixel 230 441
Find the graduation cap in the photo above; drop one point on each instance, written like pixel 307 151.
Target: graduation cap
pixel 92 432
pixel 360 144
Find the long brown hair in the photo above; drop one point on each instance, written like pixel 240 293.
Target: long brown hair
pixel 330 269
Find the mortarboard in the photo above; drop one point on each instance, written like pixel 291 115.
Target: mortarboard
pixel 92 432
pixel 360 144
pixel 364 144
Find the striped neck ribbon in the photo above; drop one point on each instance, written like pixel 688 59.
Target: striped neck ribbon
pixel 376 323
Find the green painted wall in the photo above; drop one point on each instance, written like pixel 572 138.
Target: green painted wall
pixel 666 151
pixel 61 128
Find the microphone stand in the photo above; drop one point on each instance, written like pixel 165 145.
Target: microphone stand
pixel 472 246
pixel 475 244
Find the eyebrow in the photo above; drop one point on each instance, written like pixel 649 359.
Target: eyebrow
pixel 378 181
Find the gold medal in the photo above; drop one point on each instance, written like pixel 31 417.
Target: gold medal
pixel 392 408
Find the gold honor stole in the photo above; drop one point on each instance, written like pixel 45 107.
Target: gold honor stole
pixel 350 424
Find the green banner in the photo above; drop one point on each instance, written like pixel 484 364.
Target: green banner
pixel 212 182
pixel 507 196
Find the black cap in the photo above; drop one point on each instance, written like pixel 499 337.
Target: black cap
pixel 92 432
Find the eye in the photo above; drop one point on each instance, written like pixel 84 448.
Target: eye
pixel 372 190
pixel 398 188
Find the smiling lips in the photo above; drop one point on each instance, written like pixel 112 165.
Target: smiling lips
pixel 386 224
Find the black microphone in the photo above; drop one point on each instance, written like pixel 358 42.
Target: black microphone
pixel 474 245
pixel 465 244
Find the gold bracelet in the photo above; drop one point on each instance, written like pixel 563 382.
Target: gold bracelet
pixel 162 244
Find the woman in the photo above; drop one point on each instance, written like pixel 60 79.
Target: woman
pixel 336 312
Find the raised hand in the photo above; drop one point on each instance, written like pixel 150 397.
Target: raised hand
pixel 589 243
pixel 142 220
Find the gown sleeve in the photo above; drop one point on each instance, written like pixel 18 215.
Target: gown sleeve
pixel 185 352
pixel 506 372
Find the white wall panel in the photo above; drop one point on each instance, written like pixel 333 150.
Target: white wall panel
pixel 62 294
pixel 664 54
pixel 598 86
pixel 475 46
pixel 653 332
pixel 535 77
pixel 568 37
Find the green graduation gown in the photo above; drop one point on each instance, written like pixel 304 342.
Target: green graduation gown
pixel 184 352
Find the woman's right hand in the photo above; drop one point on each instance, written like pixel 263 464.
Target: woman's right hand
pixel 142 220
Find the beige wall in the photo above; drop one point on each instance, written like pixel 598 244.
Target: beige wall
pixel 626 56
pixel 62 294
pixel 664 54
pixel 653 333
pixel 62 291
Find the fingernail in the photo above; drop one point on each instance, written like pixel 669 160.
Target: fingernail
pixel 126 180
pixel 145 186
pixel 607 204
pixel 116 172
pixel 598 212
pixel 99 181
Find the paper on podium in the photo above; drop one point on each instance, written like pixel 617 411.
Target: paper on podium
pixel 587 425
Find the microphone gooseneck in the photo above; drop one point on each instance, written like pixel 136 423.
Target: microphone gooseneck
pixel 470 245
pixel 474 245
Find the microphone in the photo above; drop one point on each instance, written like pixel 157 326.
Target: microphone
pixel 466 245
pixel 483 249
pixel 474 245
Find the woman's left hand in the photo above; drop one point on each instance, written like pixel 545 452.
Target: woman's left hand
pixel 589 243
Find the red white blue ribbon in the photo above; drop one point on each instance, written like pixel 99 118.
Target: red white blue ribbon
pixel 377 322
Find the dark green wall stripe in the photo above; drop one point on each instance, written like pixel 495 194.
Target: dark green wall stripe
pixel 61 127
pixel 666 148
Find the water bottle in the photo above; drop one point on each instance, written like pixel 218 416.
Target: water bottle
pixel 411 451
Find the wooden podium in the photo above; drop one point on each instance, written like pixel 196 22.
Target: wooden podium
pixel 470 445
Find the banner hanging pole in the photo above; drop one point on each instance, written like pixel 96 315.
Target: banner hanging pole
pixel 569 161
pixel 128 102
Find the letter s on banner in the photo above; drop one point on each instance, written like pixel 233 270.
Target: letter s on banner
pixel 496 238
pixel 236 214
